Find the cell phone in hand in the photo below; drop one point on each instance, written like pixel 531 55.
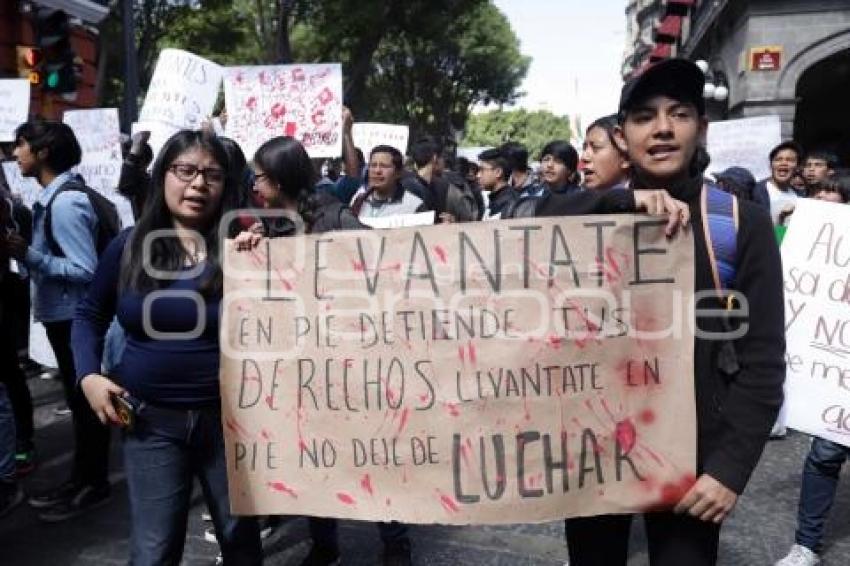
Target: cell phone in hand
pixel 125 409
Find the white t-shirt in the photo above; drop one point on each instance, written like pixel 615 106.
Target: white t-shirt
pixel 779 200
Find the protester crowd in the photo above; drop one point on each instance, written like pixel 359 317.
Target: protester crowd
pixel 89 287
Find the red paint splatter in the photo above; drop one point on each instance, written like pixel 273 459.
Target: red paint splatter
pixel 449 504
pixel 626 435
pixel 441 254
pixel 265 434
pixel 461 353
pixel 608 410
pixel 270 402
pixel 282 488
pixel 405 415
pixel 286 284
pixel 345 498
pixel 647 416
pixel 473 356
pixel 653 455
pixel 357 266
pixel 366 484
pixel 554 342
pixel 672 492
pixel 452 408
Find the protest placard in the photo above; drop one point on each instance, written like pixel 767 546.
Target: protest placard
pixel 815 256
pixel 99 135
pixel 26 187
pixel 400 220
pixel 744 143
pixel 514 371
pixel 302 101
pixel 368 135
pixel 182 91
pixel 14 106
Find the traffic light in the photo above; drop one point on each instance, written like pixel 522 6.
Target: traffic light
pixel 29 63
pixel 52 31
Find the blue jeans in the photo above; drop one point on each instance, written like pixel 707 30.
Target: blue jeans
pixel 162 455
pixel 7 437
pixel 820 479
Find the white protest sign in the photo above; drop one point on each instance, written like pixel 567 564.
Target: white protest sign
pixel 27 187
pixel 302 101
pixel 815 256
pixel 14 106
pixel 368 135
pixel 182 91
pixel 744 143
pixel 400 220
pixel 40 350
pixel 99 135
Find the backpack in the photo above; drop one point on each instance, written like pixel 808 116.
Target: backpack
pixel 720 220
pixel 108 221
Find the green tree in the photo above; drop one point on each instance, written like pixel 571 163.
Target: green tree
pixel 533 129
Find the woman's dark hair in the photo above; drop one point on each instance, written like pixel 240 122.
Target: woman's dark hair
pixel 608 124
pixel 237 168
pixel 287 164
pixel 63 149
pixel 398 158
pixel 562 151
pixel 167 253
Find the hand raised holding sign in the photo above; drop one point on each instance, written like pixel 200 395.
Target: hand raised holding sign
pixel 660 203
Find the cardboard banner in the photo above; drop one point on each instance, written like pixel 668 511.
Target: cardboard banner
pixel 514 371
pixel 400 220
pixel 744 143
pixel 182 91
pixel 14 106
pixel 815 256
pixel 368 135
pixel 302 101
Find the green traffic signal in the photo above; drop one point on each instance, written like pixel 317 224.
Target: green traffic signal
pixel 53 79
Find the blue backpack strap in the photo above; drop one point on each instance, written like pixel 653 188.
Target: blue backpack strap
pixel 720 225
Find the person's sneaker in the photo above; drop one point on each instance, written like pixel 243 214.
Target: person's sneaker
pixel 799 556
pixel 206 517
pixel 397 553
pixel 24 462
pixel 11 495
pixel 321 556
pixel 209 535
pixel 778 432
pixel 54 496
pixel 86 498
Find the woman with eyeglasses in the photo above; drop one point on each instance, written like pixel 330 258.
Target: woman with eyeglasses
pixel 163 278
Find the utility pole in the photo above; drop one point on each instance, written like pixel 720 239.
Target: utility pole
pixel 131 65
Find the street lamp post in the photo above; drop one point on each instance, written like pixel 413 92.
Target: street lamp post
pixel 131 72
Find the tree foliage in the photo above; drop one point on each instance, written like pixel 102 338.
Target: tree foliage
pixel 425 63
pixel 533 129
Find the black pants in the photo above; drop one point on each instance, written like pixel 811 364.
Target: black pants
pixel 323 531
pixel 91 437
pixel 15 381
pixel 673 540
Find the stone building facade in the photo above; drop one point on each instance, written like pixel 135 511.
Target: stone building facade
pixel 789 58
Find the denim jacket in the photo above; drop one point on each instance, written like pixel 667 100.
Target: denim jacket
pixel 59 282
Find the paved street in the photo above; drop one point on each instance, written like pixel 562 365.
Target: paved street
pixel 760 531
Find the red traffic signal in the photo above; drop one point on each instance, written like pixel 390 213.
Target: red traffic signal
pixel 29 61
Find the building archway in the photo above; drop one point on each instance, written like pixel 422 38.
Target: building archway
pixel 822 119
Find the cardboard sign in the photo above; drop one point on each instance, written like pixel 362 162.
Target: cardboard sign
pixel 514 371
pixel 99 134
pixel 744 143
pixel 815 256
pixel 14 106
pixel 368 135
pixel 400 220
pixel 182 91
pixel 25 187
pixel 302 101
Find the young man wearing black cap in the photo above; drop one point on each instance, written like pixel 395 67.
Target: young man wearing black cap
pixel 662 123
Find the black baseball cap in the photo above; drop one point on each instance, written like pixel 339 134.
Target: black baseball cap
pixel 679 79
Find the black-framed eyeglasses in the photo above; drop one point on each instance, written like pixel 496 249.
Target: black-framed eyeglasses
pixel 187 173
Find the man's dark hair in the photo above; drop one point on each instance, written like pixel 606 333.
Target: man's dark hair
pixel 63 149
pixel 424 150
pixel 830 158
pixel 830 187
pixel 516 154
pixel 496 158
pixel 790 144
pixel 397 157
pixel 562 151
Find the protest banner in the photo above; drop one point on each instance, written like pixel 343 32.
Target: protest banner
pixel 815 256
pixel 744 143
pixel 182 91
pixel 25 187
pixel 302 101
pixel 514 371
pixel 368 135
pixel 14 106
pixel 400 220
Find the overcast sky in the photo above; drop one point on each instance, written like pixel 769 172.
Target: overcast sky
pixel 577 50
